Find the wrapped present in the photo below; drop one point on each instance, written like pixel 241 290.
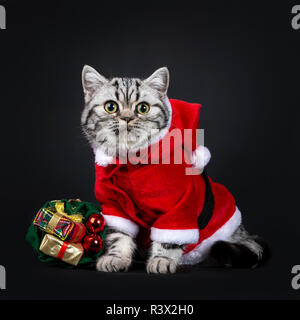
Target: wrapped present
pixel 76 210
pixel 59 225
pixel 70 253
pixel 59 206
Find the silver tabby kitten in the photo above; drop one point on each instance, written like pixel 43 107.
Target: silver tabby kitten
pixel 124 115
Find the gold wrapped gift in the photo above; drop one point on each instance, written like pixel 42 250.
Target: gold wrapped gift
pixel 68 252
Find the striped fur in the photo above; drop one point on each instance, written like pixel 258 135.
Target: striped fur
pixel 164 257
pixel 111 132
pixel 119 252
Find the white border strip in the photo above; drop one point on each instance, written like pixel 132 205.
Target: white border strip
pixel 184 236
pixel 122 224
pixel 223 234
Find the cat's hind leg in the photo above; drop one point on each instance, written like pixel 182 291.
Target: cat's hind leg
pixel 118 254
pixel 242 250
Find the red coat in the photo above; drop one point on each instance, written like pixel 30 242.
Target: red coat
pixel 160 201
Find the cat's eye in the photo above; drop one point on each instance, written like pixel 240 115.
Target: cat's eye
pixel 111 107
pixel 142 108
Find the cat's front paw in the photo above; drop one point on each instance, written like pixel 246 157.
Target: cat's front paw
pixel 112 264
pixel 161 265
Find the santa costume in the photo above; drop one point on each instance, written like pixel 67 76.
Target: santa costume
pixel 161 201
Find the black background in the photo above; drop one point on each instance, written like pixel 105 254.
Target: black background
pixel 239 59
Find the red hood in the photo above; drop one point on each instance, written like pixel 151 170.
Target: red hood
pixel 185 115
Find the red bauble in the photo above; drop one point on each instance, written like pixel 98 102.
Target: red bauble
pixel 95 223
pixel 92 243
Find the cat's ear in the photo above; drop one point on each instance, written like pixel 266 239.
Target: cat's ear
pixel 91 81
pixel 159 80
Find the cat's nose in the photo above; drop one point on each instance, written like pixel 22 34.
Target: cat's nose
pixel 127 118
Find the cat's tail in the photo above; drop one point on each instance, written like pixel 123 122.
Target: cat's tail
pixel 241 251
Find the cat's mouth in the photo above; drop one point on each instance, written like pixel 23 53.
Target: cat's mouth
pixel 126 128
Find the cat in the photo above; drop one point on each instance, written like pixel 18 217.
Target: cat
pixel 123 115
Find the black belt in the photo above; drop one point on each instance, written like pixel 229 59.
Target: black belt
pixel 209 204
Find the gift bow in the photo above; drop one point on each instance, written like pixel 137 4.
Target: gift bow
pixel 60 207
pixel 60 213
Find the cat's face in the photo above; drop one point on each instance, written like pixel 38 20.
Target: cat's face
pixel 125 114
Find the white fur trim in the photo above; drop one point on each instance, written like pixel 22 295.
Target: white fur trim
pixel 200 157
pixel 122 224
pixel 223 234
pixel 101 158
pixel 182 236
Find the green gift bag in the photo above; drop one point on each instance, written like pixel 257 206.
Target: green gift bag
pixel 35 235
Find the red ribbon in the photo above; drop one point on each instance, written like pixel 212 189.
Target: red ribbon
pixel 62 250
